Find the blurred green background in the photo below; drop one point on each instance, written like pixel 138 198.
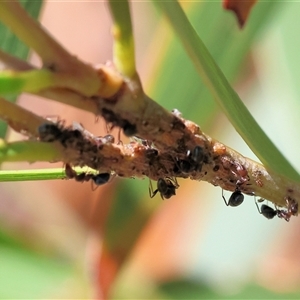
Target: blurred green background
pixel 59 239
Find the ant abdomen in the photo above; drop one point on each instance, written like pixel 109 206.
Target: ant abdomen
pixel 268 212
pixel 236 198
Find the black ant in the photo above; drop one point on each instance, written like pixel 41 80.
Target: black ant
pixel 165 186
pixel 270 213
pixel 97 179
pixel 129 129
pixel 267 211
pixel 235 199
pixel 197 155
pixel 194 160
pixel 49 132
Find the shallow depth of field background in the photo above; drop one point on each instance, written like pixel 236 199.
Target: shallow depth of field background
pixel 191 246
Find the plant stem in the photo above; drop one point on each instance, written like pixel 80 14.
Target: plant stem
pixel 32 175
pixel 123 38
pixel 40 174
pixel 19 118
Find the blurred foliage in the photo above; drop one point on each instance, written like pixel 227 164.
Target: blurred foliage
pixel 194 290
pixel 228 45
pixel 25 273
pixel 11 44
pixel 126 219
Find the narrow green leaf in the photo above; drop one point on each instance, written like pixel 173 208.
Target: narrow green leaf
pixel 224 95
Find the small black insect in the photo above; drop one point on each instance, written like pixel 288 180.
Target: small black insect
pixel 197 155
pixel 265 210
pixel 98 179
pixel 185 166
pixel 165 186
pixel 193 161
pixel 101 178
pixel 235 199
pixel 71 138
pixel 151 154
pixel 129 129
pixel 270 213
pixel 49 132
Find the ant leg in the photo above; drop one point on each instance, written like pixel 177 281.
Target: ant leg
pixel 224 198
pixel 176 182
pixel 70 173
pixel 173 180
pixel 119 138
pixel 151 192
pixel 94 186
pixel 257 204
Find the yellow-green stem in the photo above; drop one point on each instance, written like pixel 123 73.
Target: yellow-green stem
pixel 124 58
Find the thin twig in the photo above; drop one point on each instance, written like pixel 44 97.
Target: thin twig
pixel 221 166
pixel 13 63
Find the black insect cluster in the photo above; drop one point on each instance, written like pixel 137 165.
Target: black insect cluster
pixel 76 139
pixel 79 139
